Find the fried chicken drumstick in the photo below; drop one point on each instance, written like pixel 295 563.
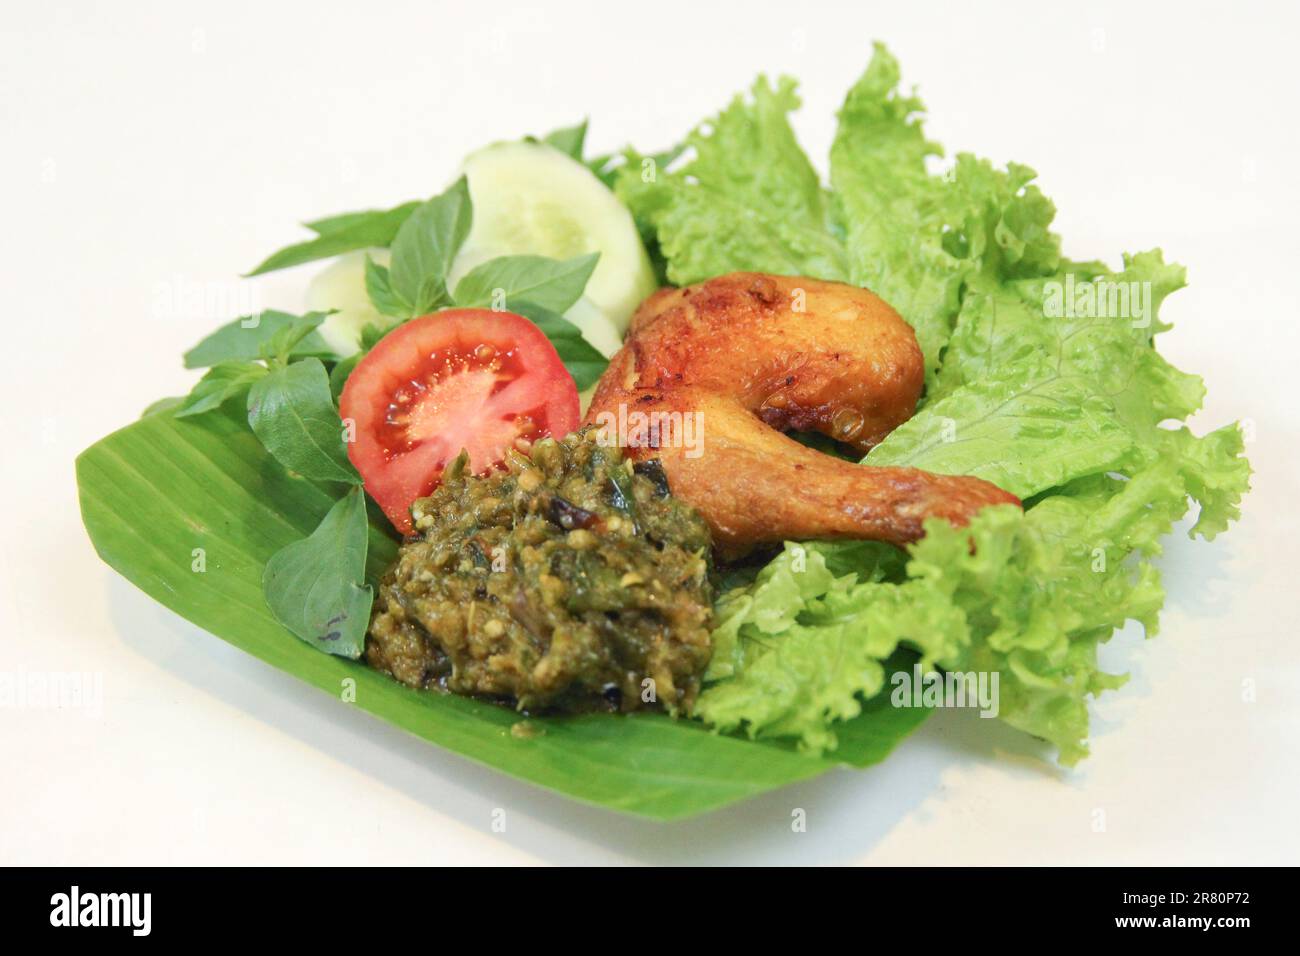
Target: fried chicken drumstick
pixel 755 355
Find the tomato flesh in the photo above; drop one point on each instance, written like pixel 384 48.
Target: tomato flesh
pixel 464 379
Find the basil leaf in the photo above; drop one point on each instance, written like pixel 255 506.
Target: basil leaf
pixel 372 332
pixel 292 413
pixel 568 140
pixel 280 347
pixel 382 295
pixel 242 339
pixel 426 245
pixel 315 586
pixel 503 282
pixel 222 382
pixel 340 372
pixel 344 222
pixel 605 168
pixel 583 360
pixel 339 234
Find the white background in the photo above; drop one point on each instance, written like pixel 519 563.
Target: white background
pixel 148 148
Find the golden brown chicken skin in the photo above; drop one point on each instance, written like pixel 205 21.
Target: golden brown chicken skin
pixel 713 373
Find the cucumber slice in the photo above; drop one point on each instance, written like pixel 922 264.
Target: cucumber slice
pixel 532 199
pixel 342 286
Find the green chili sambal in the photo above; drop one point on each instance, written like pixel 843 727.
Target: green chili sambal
pixel 568 581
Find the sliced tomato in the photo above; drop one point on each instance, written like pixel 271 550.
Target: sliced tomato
pixel 462 379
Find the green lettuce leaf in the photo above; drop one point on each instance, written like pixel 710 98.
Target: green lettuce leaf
pixel 1028 595
pixel 1024 436
pixel 747 199
pixel 802 647
pixel 892 207
pixel 1216 472
pixel 1043 377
